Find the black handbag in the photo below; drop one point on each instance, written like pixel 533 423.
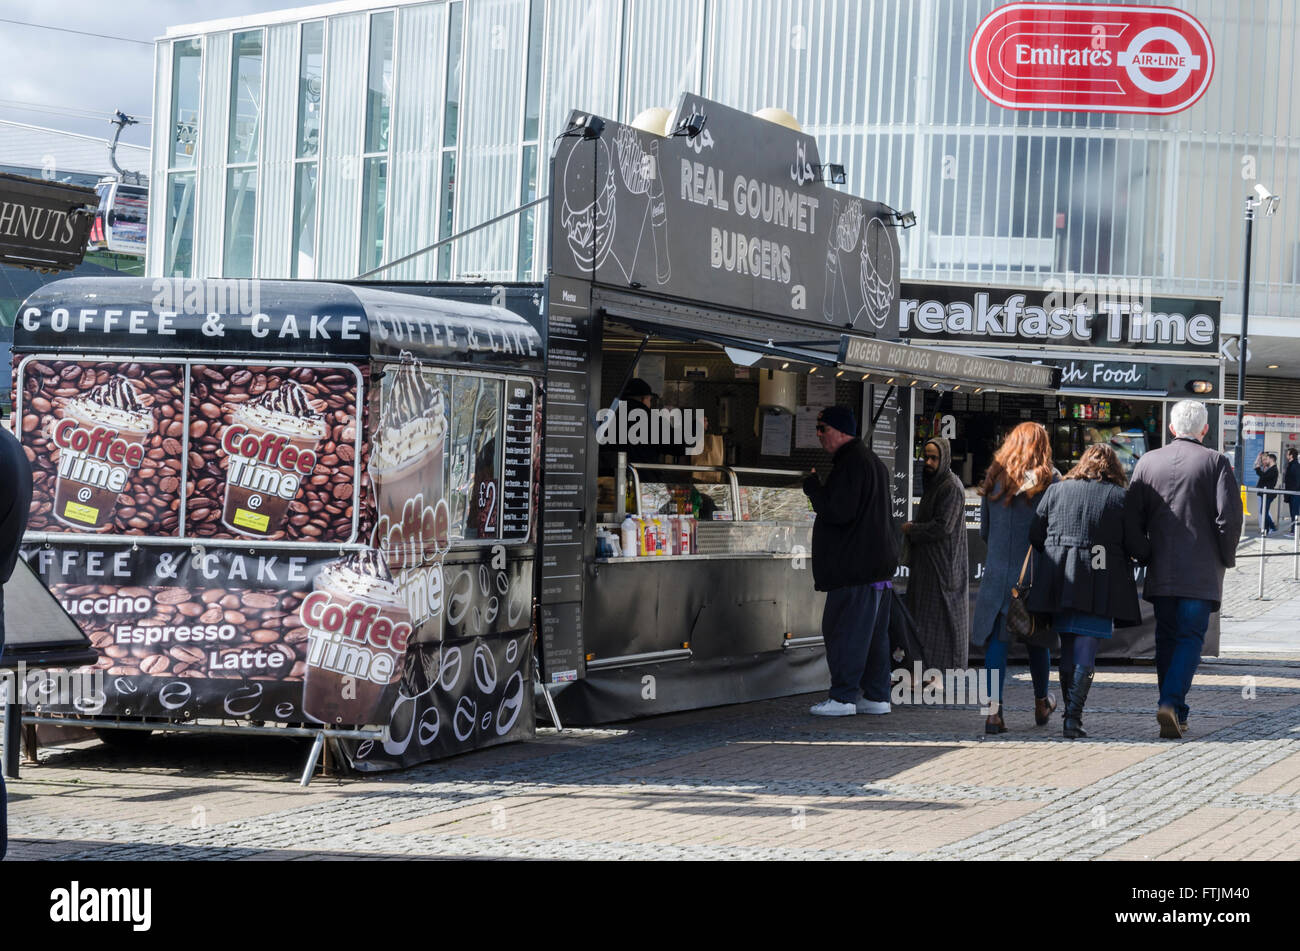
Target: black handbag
pixel 1024 625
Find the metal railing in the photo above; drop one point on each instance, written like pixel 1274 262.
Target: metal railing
pixel 1264 554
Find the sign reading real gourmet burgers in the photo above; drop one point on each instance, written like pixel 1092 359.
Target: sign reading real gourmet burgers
pixel 1070 317
pixel 1091 58
pixel 735 216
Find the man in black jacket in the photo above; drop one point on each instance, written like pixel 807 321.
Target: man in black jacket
pixel 15 503
pixel 1184 498
pixel 854 556
pixel 1291 482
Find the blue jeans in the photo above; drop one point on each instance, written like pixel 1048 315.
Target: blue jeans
pixel 1266 523
pixel 1180 635
pixel 857 643
pixel 995 664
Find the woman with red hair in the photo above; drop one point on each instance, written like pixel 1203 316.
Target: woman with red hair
pixel 1021 472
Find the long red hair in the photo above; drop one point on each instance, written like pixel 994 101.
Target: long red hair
pixel 1026 450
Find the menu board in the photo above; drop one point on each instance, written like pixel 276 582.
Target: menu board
pixel 566 474
pixel 886 443
pixel 517 473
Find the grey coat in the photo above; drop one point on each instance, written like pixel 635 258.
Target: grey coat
pixel 1186 501
pixel 938 586
pixel 1006 529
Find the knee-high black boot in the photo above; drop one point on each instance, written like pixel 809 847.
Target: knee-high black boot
pixel 1080 683
pixel 1066 674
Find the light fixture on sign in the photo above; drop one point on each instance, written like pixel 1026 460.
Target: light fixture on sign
pixel 1272 366
pixel 1200 386
pixel 839 374
pixel 585 126
pixel 786 365
pixel 691 126
pixel 830 172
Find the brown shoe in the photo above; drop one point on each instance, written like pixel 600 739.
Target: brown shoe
pixel 1169 726
pixel 1043 709
pixel 994 723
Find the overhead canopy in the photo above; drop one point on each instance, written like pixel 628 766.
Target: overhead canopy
pixel 879 361
pixel 280 319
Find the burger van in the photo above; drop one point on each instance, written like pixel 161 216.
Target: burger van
pixel 290 505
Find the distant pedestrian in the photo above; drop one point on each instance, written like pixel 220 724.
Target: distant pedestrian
pixel 1186 501
pixel 854 556
pixel 1266 471
pixel 938 581
pixel 15 504
pixel 1291 482
pixel 1021 472
pixel 1084 576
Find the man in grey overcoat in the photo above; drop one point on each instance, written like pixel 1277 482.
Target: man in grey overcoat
pixel 1186 501
pixel 938 579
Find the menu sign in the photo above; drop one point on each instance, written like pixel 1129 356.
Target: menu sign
pixel 517 474
pixel 891 417
pixel 44 225
pixel 737 216
pixel 565 476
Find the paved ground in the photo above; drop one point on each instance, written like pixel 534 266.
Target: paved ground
pixel 762 780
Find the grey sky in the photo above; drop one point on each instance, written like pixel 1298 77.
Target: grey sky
pixel 88 75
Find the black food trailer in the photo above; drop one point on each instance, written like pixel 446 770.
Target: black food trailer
pixel 716 264
pixel 296 504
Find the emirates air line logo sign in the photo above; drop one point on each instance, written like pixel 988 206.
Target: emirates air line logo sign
pixel 1091 58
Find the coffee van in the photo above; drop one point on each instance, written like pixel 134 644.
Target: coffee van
pixel 290 503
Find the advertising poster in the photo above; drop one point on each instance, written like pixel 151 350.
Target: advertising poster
pixel 297 638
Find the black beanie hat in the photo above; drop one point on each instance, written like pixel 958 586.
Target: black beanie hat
pixel 841 418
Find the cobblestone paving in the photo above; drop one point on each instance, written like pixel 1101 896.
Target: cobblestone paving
pixel 756 781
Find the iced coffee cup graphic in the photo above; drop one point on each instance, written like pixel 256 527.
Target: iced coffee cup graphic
pixel 101 444
pixel 358 629
pixel 408 451
pixel 271 446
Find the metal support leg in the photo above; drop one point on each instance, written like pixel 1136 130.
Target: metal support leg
pixel 30 745
pixel 1295 552
pixel 1263 558
pixel 12 737
pixel 550 704
pixel 317 745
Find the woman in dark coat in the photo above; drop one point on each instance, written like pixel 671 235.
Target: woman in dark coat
pixel 938 580
pixel 1083 574
pixel 1021 472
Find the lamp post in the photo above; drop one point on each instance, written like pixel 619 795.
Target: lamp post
pixel 1269 202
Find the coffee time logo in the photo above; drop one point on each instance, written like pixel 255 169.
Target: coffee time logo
pixel 1091 58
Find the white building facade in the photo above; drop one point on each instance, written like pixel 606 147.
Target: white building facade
pixel 325 141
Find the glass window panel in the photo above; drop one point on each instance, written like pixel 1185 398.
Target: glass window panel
pixel 533 89
pixel 447 213
pixel 310 76
pixel 179 253
pixel 474 492
pixel 451 114
pixel 241 217
pixel 528 220
pixel 374 211
pixel 245 97
pixel 303 264
pixel 379 88
pixel 187 60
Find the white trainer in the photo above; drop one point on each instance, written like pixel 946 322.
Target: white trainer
pixel 833 708
pixel 877 707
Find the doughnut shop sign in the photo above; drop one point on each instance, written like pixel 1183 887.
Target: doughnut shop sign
pixel 1091 58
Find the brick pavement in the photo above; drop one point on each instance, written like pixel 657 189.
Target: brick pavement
pixel 760 781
